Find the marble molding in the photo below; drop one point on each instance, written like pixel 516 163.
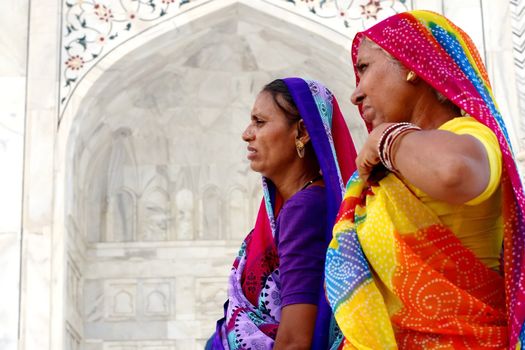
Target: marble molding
pixel 13 41
pixel 518 37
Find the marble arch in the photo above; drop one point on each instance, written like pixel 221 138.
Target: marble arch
pixel 125 107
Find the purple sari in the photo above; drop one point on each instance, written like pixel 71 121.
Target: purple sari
pixel 253 310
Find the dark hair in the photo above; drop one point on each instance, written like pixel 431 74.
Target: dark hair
pixel 278 88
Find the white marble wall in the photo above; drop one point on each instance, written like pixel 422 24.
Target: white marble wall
pixel 159 284
pixel 13 42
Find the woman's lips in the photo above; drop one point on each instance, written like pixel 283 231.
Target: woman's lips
pixel 366 112
pixel 251 153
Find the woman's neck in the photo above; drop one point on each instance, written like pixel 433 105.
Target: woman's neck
pixel 292 180
pixel 429 113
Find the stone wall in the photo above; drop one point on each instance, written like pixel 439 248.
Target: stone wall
pixel 121 124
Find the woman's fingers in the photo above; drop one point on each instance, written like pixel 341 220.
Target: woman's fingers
pixel 366 161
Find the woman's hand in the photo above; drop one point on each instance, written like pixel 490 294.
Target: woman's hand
pixel 368 158
pixel 296 328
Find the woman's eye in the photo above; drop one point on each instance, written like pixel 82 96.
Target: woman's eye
pixel 362 67
pixel 259 122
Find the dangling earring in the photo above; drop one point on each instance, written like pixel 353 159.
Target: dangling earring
pixel 299 146
pixel 411 76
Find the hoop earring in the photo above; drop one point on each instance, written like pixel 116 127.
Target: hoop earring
pixel 411 76
pixel 299 146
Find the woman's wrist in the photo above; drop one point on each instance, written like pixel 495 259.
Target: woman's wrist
pixel 388 141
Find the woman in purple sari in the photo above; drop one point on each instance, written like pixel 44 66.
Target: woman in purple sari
pixel 299 142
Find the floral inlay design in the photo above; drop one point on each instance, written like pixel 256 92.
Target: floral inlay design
pixel 357 14
pixel 92 28
pixel 371 9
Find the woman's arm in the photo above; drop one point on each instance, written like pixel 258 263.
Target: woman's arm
pixel 448 167
pixel 296 328
pixel 302 247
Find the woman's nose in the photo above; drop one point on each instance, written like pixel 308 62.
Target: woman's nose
pixel 357 96
pixel 247 134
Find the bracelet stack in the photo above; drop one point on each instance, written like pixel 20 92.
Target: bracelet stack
pixel 389 138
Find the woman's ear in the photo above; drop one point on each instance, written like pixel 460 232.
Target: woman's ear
pixel 302 133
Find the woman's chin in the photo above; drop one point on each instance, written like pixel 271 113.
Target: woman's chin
pixel 255 167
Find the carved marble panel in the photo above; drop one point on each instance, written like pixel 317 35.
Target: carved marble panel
pixel 120 300
pixel 210 293
pixel 155 214
pixel 184 215
pixel 212 214
pixel 157 299
pixel 121 216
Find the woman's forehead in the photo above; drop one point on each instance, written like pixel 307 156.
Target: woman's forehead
pixel 368 49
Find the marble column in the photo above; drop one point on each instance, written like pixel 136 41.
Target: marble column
pixel 517 9
pixel 38 280
pixel 13 43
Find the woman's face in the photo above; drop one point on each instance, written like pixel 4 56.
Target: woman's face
pixel 270 137
pixel 383 92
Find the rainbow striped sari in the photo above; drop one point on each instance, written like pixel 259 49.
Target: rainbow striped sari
pixel 395 275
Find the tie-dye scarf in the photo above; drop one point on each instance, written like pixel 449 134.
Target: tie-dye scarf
pixel 252 312
pixel 397 277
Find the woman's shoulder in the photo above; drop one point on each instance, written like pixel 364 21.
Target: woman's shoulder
pixel 470 126
pixel 307 203
pixel 304 212
pixel 467 125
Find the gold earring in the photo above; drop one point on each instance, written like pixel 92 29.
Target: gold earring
pixel 411 76
pixel 299 146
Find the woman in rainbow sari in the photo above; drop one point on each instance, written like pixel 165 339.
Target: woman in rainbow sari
pixel 416 260
pixel 298 140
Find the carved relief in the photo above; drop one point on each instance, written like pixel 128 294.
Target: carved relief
pixel 120 300
pixel 211 216
pixel 121 189
pixel 238 213
pixel 155 215
pixel 210 292
pixel 157 299
pixel 149 299
pixel 184 218
pixel 121 216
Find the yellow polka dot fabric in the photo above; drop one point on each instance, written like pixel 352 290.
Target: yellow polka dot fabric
pixel 397 277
